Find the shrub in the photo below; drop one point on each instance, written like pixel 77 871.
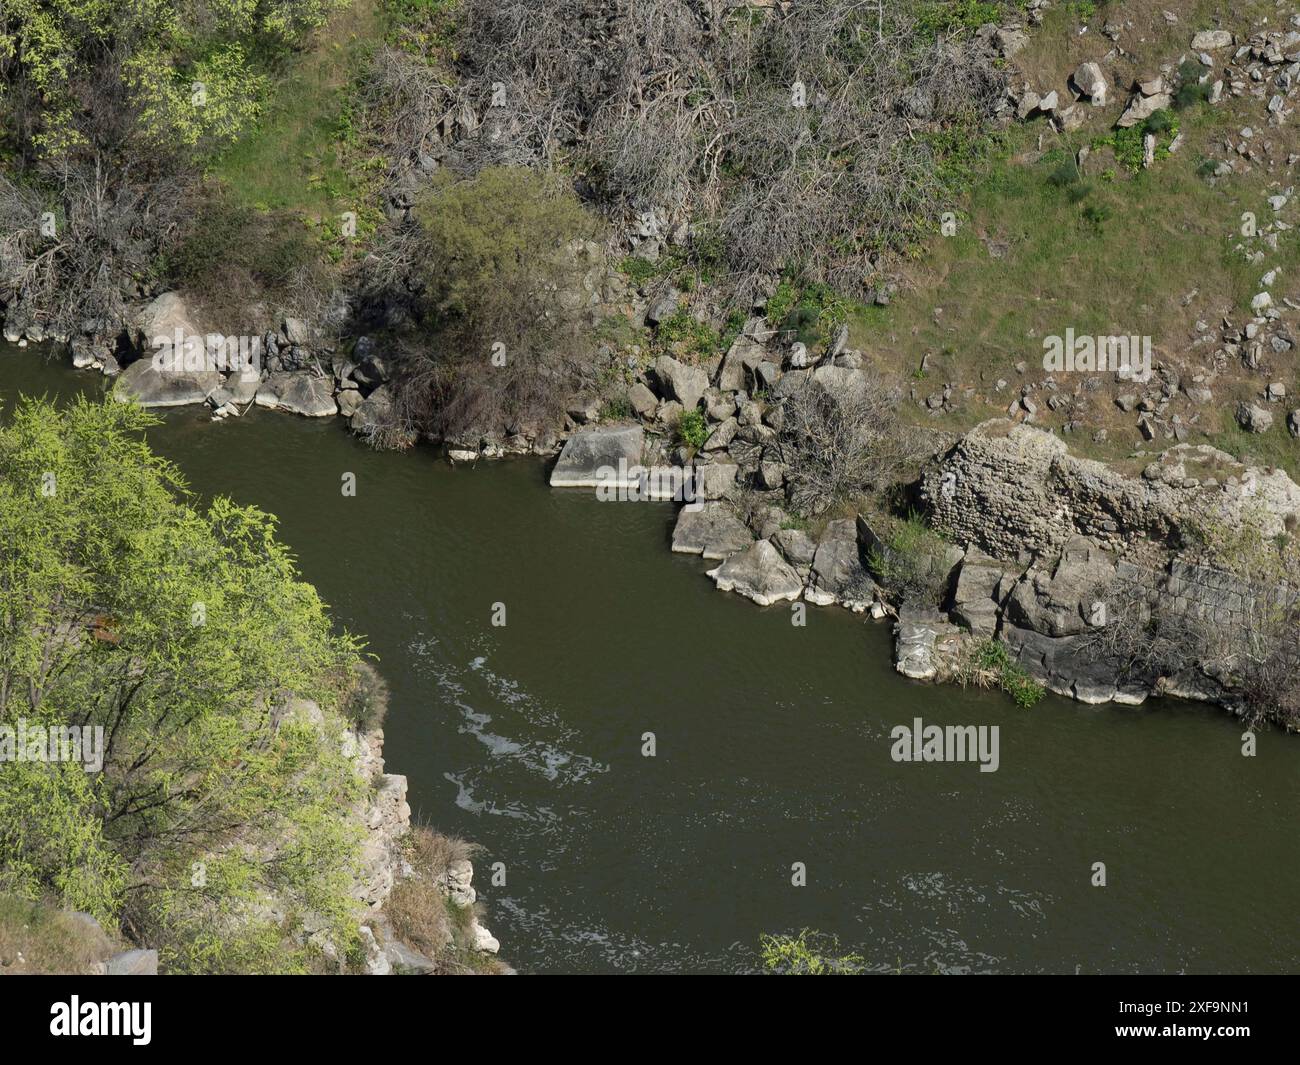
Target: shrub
pixel 196 765
pixel 808 954
pixel 692 429
pixel 364 703
pixel 989 664
pixel 229 256
pixel 837 444
pixel 911 564
pixel 503 334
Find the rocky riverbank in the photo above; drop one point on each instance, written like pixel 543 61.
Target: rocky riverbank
pixel 390 861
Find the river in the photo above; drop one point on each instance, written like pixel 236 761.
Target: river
pixel 772 742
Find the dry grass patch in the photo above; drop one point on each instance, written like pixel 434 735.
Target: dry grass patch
pixel 37 938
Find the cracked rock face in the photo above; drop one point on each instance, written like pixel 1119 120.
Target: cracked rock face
pixel 1010 488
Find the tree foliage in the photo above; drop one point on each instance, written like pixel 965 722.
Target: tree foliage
pixel 185 633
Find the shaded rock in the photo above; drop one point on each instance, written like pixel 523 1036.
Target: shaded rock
pixel 714 480
pixel 797 546
pixel 1254 419
pixel 643 401
pixel 153 387
pixel 1089 81
pixel 407 961
pixel 685 384
pixel 134 963
pixel 839 574
pixel 978 593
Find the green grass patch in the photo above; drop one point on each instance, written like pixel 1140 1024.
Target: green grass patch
pixel 301 156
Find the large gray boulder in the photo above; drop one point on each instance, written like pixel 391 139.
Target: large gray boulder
pixel 1148 98
pixel 164 385
pixel 1009 488
pixel 1067 598
pixel 1089 81
pixel 159 319
pixel 375 412
pixel 299 392
pixel 685 384
pixel 1211 40
pixel 982 585
pixel 588 451
pixel 838 573
pixel 712 530
pixel 760 574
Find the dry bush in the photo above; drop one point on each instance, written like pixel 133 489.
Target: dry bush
pixel 420 911
pixel 110 221
pixel 1244 635
pixel 688 107
pixel 839 443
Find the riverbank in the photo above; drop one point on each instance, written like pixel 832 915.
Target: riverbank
pixel 1041 549
pixel 773 741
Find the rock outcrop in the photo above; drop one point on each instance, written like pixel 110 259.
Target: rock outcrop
pixel 1011 488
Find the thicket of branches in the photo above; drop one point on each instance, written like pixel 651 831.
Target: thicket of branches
pixel 1246 636
pixel 491 271
pixel 804 130
pixel 840 442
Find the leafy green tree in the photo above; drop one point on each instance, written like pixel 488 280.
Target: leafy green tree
pixel 185 633
pixel 503 265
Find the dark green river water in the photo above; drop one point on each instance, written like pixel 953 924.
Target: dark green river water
pixel 773 742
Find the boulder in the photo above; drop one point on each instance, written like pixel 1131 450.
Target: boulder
pixel 587 451
pixel 485 941
pixel 1211 40
pixel 1063 599
pixel 798 548
pixel 160 318
pixel 760 574
pixel 407 960
pixel 1142 105
pixel 1089 81
pixel 166 387
pixel 134 963
pixel 1010 487
pixel 299 392
pixel 714 480
pixel 711 530
pixel 839 574
pixel 375 412
pixel 1254 419
pixel 979 592
pixel 642 400
pixel 685 384
pixel 745 352
pixel 925 643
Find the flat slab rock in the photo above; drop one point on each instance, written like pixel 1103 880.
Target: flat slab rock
pixel 711 530
pixel 299 392
pixel 759 573
pixel 585 452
